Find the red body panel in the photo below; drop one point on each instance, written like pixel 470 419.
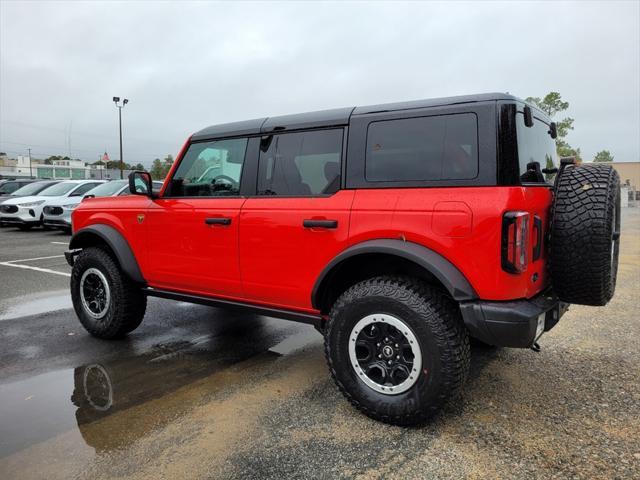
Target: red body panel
pixel 265 256
pixel 279 258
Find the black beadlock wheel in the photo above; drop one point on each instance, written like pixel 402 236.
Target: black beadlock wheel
pixel 585 234
pixel 397 348
pixel 108 304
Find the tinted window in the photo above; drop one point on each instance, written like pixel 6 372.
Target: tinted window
pixel 9 187
pixel 210 169
pixel 82 189
pixel 426 148
pixel 58 189
pixel 32 188
pixel 535 146
pixel 109 188
pixel 300 164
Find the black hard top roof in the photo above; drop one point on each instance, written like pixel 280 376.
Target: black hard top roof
pixel 334 117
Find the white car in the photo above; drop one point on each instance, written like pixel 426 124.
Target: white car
pixel 57 212
pixel 26 212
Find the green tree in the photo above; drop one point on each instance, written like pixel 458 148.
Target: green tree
pixel 603 156
pixel 157 170
pixel 139 166
pixel 552 104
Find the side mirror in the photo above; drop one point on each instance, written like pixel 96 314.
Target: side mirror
pixel 553 130
pixel 140 183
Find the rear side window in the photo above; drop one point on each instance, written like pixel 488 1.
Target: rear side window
pixel 300 164
pixel 536 150
pixel 440 147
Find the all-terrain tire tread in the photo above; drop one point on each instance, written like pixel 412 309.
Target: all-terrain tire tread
pixel 581 230
pixel 128 301
pixel 443 317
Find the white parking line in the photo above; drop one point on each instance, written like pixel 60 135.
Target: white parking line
pixel 32 259
pixel 15 263
pixel 61 243
pixel 37 269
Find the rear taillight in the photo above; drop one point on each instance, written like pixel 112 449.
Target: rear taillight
pixel 515 241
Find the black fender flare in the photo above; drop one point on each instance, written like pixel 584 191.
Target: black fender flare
pixel 442 269
pixel 116 242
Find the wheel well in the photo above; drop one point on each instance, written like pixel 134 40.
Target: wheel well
pixel 90 239
pixel 114 244
pixel 367 265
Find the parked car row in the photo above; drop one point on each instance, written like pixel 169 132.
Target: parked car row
pixel 49 203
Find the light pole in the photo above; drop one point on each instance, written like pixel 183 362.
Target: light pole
pixel 30 168
pixel 116 100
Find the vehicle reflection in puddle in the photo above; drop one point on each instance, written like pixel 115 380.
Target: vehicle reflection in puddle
pixel 38 408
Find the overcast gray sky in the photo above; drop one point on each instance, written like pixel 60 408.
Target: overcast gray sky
pixel 188 65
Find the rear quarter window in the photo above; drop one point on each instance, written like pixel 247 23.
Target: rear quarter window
pixel 441 147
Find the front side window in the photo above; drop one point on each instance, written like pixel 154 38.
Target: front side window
pixel 442 147
pixel 210 169
pixel 536 150
pixel 300 164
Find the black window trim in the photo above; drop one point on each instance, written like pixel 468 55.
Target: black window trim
pixel 249 173
pixel 487 144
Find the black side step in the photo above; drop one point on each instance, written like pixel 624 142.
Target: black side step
pixel 316 320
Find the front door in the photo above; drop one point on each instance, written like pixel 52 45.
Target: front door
pixel 299 219
pixel 193 229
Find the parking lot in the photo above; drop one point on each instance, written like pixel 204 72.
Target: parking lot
pixel 197 392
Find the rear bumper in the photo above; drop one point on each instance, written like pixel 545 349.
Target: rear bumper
pixel 517 323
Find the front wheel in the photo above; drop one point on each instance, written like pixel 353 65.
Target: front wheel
pixel 108 304
pixel 397 348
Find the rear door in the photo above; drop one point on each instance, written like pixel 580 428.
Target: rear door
pixel 193 229
pixel 299 219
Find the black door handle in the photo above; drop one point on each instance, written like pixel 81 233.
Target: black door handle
pixel 217 221
pixel 320 223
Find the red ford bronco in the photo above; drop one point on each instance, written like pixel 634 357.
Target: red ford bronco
pixel 399 231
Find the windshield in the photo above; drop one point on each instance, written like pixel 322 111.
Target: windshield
pixel 58 190
pixel 9 187
pixel 536 149
pixel 32 189
pixel 108 189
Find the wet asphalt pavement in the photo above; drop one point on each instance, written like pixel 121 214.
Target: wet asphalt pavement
pixel 197 392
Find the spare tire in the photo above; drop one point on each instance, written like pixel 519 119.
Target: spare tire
pixel 585 234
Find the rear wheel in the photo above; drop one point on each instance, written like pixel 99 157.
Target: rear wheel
pixel 397 348
pixel 108 304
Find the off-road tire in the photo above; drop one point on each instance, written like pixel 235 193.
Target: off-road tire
pixel 127 305
pixel 585 231
pixel 436 322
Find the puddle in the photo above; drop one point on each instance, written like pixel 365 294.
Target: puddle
pixel 35 409
pixel 35 304
pixel 92 398
pixel 295 342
